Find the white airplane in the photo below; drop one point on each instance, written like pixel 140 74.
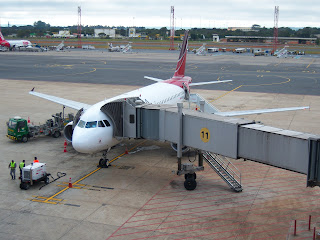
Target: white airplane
pixel 240 50
pixel 94 132
pixel 14 43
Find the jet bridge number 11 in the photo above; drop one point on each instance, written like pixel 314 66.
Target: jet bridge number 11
pixel 204 135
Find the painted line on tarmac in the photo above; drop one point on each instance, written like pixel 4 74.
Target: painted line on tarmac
pixel 50 199
pixel 254 85
pixel 226 93
pixel 310 63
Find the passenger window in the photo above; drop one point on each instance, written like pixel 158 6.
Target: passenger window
pixel 100 124
pixel 81 124
pixel 106 123
pixel 91 124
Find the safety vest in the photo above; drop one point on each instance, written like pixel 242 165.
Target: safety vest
pixel 21 165
pixel 12 164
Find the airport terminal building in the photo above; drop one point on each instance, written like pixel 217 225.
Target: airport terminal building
pixel 281 40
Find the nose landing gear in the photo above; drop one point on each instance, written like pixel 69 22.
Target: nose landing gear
pixel 104 161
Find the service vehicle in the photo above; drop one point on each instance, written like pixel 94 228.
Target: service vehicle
pixel 20 130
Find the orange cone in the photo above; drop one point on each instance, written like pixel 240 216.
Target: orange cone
pixel 70 183
pixel 65 146
pixel 126 152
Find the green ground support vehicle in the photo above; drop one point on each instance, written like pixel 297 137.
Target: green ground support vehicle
pixel 20 130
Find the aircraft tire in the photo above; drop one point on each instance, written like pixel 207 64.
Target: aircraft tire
pixel 190 184
pixel 24 139
pixel 56 134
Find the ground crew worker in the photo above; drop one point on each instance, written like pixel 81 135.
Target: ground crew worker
pixel 35 159
pixel 12 166
pixel 22 165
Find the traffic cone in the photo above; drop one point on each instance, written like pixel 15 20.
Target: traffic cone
pixel 65 146
pixel 70 183
pixel 126 152
pixel 28 120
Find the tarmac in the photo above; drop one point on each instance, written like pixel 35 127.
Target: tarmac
pixel 140 196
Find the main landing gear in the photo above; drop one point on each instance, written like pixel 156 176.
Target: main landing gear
pixel 104 161
pixel 190 181
pixel 189 171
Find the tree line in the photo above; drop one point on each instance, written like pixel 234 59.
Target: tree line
pixel 41 29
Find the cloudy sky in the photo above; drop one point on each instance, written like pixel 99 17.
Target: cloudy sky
pixel 156 13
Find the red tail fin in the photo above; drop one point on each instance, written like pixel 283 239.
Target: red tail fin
pixel 1 36
pixel 181 65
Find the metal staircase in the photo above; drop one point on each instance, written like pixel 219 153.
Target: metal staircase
pixel 225 169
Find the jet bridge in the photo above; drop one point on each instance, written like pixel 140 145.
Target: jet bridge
pixel 215 135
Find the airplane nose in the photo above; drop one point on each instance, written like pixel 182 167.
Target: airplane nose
pixel 86 140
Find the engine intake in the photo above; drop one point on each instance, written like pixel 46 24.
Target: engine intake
pixel 68 131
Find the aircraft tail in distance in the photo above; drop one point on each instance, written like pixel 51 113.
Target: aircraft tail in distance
pixel 1 37
pixel 181 65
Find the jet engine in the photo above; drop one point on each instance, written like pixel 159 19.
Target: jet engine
pixel 68 131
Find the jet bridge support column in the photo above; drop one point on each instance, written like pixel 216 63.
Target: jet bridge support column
pixel 179 144
pixel 313 177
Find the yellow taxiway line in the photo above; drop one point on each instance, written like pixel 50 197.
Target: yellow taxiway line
pixel 52 198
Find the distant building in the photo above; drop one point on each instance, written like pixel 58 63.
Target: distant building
pixel 281 40
pixel 244 29
pixel 107 31
pixel 63 34
pixel 134 34
pixel 215 38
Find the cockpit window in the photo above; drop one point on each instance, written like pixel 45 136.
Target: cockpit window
pixel 91 124
pixel 12 124
pixel 100 124
pixel 106 123
pixel 81 124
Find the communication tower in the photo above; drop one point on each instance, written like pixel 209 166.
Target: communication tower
pixel 172 28
pixel 275 31
pixel 79 27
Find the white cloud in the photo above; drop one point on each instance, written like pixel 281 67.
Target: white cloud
pixel 188 13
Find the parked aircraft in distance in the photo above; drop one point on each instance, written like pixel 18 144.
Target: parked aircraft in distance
pixel 240 50
pixel 93 131
pixel 13 43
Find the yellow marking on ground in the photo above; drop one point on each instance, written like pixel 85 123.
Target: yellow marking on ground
pixel 49 199
pixel 67 185
pixel 226 93
pixel 310 63
pixel 267 84
pixel 46 200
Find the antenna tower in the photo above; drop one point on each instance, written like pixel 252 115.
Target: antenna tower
pixel 275 30
pixel 172 28
pixel 79 27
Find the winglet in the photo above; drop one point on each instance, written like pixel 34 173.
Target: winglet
pixel 181 65
pixel 32 89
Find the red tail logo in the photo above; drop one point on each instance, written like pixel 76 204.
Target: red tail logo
pixel 1 37
pixel 181 65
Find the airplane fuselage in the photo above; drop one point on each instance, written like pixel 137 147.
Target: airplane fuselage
pixel 94 131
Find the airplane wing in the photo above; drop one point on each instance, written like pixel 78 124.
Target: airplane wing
pixel 62 101
pixel 248 112
pixel 212 82
pixel 153 79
